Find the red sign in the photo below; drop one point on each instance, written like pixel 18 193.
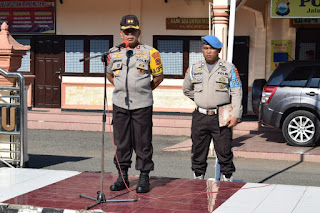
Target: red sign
pixel 28 16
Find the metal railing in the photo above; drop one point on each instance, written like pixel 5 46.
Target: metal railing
pixel 15 106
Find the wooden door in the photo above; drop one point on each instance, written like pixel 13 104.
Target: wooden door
pixel 241 61
pixel 49 57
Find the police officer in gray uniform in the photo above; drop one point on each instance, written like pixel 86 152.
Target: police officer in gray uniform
pixel 134 71
pixel 211 83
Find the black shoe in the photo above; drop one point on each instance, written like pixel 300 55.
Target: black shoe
pixel 143 184
pixel 119 184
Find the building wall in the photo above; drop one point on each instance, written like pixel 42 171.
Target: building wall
pixel 250 22
pixel 278 29
pixel 100 17
pixel 253 20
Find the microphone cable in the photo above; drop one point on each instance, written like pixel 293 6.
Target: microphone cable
pixel 166 197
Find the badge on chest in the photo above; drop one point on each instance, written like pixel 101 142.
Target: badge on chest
pixel 196 75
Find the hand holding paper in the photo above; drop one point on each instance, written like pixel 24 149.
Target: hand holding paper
pixel 232 122
pixel 225 116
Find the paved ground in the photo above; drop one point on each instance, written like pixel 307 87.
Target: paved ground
pixel 251 141
pixel 43 190
pixel 47 190
pixel 81 151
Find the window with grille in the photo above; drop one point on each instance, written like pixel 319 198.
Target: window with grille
pixel 195 53
pixel 97 47
pixel 25 63
pixel 74 51
pixel 79 47
pixel 171 53
pixel 304 48
pixel 178 53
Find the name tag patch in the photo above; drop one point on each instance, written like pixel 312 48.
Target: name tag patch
pixel 222 73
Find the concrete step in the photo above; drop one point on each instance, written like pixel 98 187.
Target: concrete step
pixel 162 124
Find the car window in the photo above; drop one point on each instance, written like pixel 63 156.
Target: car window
pixel 314 82
pixel 279 74
pixel 298 77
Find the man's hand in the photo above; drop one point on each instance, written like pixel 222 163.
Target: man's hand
pixel 232 122
pixel 156 81
pixel 110 77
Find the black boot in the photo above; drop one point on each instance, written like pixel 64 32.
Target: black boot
pixel 143 184
pixel 119 184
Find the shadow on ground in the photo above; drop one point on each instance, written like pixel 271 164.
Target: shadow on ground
pixel 41 161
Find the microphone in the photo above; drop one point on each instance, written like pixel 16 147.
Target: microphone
pixel 104 56
pixel 124 44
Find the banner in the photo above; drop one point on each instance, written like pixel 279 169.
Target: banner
pixel 28 16
pixel 295 9
pixel 280 52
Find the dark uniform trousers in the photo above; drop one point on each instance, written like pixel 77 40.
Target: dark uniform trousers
pixel 204 128
pixel 133 131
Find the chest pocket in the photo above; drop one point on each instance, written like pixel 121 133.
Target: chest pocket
pixel 116 67
pixel 222 82
pixel 142 66
pixel 197 78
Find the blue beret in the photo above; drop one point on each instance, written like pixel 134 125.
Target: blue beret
pixel 212 41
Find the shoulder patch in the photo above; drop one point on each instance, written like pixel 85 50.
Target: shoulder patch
pixel 155 62
pixel 235 78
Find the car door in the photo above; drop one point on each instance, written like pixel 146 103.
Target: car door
pixel 289 94
pixel 310 94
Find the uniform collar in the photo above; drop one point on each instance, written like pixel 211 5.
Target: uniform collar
pixel 219 64
pixel 138 47
pixel 205 67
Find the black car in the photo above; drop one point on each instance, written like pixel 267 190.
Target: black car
pixel 290 100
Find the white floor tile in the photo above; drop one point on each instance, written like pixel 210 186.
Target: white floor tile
pixel 18 181
pixel 273 198
pixel 246 199
pixel 310 201
pixel 282 199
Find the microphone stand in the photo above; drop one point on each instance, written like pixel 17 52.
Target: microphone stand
pixel 101 198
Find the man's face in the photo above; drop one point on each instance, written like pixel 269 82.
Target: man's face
pixel 210 54
pixel 131 35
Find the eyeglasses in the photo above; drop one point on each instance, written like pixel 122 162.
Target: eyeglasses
pixel 130 31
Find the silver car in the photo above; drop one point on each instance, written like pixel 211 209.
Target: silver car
pixel 290 100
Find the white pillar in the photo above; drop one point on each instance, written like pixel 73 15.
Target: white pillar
pixel 231 30
pixel 220 23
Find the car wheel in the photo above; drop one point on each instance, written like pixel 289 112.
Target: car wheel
pixel 257 88
pixel 301 128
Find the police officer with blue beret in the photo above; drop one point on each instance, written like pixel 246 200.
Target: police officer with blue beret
pixel 134 71
pixel 212 83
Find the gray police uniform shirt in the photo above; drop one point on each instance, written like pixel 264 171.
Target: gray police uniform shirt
pixel 212 89
pixel 132 83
